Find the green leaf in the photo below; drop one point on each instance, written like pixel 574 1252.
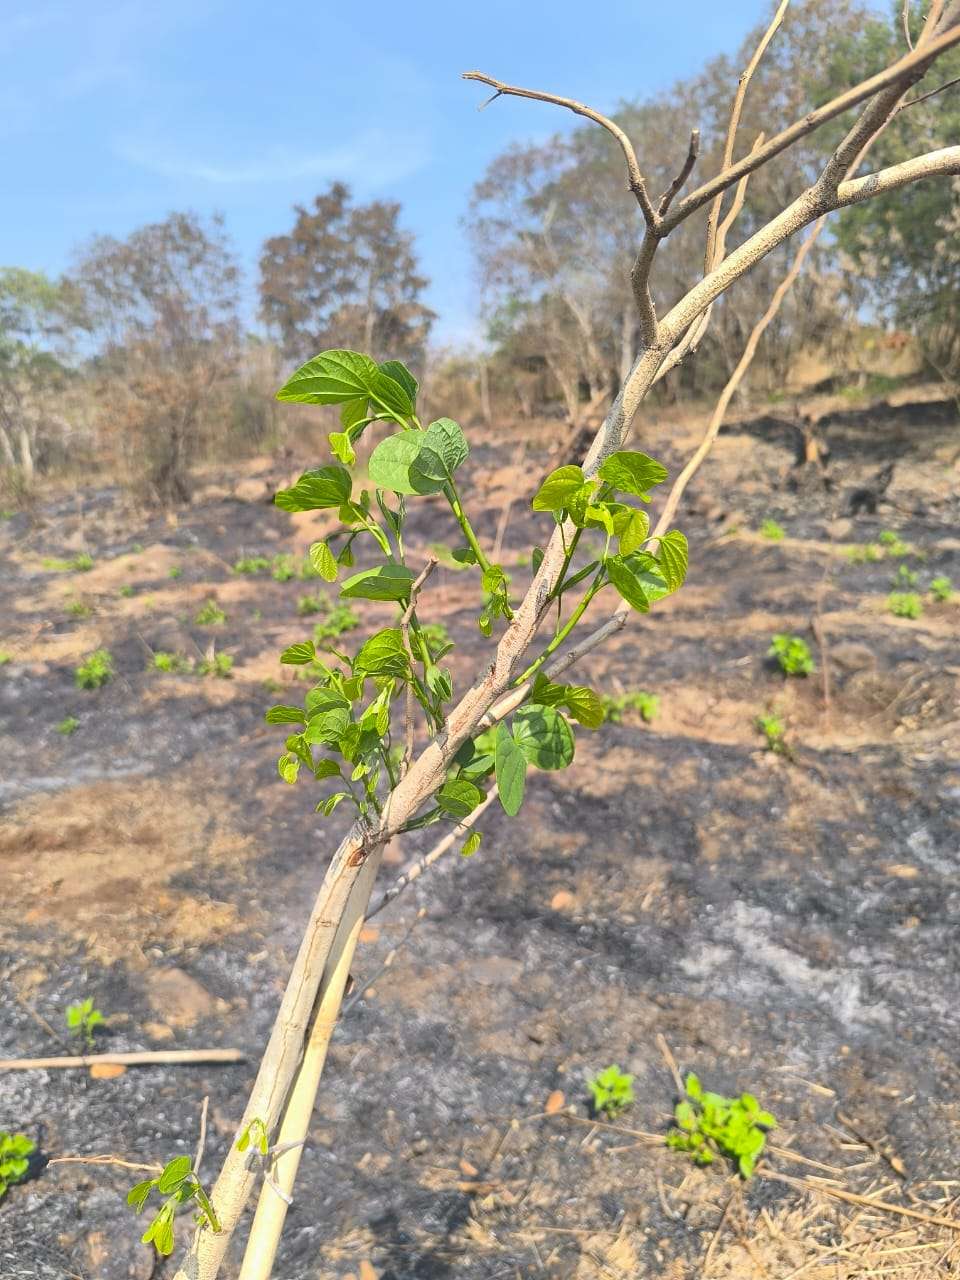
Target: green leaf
pixel 342 448
pixel 392 462
pixel 439 682
pixel 459 797
pixel 140 1194
pixel 298 655
pixel 386 582
pixel 578 502
pixel 288 767
pixel 544 737
pixel 631 472
pixel 387 393
pixel 637 579
pixel 384 654
pixel 174 1174
pixel 321 558
pixel 353 413
pixel 558 487
pixel 673 556
pixel 399 372
pixel 584 705
pixel 326 807
pixel 443 449
pixel 471 844
pixel 326 728
pixel 635 534
pixel 511 771
pixel 326 769
pixel 316 490
pixel 332 377
pixel 692 1086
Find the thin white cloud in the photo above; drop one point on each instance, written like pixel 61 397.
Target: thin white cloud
pixel 370 159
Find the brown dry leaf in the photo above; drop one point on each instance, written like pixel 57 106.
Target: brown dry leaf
pixel 554 1102
pixel 366 1271
pixel 902 870
pixel 107 1070
pixel 562 900
pixel 468 1169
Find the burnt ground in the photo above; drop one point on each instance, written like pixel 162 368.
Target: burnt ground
pixel 788 925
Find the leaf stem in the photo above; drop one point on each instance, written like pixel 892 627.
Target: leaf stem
pixel 558 639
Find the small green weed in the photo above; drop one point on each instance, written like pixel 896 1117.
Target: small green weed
pixel 905 577
pixel 210 615
pixel 179 1184
pixel 79 609
pixel 68 726
pixel 774 730
pixel 870 553
pixel 95 671
pixel 904 604
pixel 339 620
pixel 942 590
pixel 81 563
pixel 793 654
pixel 437 637
pixel 174 571
pixel 611 1091
pixel 217 664
pixel 647 704
pixel 709 1125
pixel 283 568
pixel 252 564
pixel 770 529
pixel 893 544
pixel 309 604
pixel 15 1152
pixel 171 663
pixel 5 658
pixel 83 1018
pixel 126 591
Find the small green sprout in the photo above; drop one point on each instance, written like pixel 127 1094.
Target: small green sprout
pixel 770 529
pixel 83 1018
pixel 647 704
pixel 612 1092
pixel 5 657
pixel 79 609
pixel 170 663
pixel 309 604
pixel 793 654
pixel 256 1134
pixel 216 664
pixel 942 590
pixel 15 1152
pixel 251 564
pixel 95 671
pixel 81 563
pixel 126 591
pixel 774 730
pixel 904 604
pixel 68 726
pixel 340 619
pixel 867 554
pixel 179 1184
pixel 905 577
pixel 283 568
pixel 893 544
pixel 708 1125
pixel 210 615
pixel 174 571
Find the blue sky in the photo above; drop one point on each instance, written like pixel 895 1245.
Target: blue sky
pixel 115 112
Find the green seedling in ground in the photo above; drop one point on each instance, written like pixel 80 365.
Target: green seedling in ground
pixel 647 704
pixel 67 726
pixel 774 730
pixel 171 663
pixel 437 638
pixel 893 545
pixel 283 568
pixel 905 577
pixel 904 604
pixel 180 1185
pixel 210 615
pixel 793 654
pixel 708 1125
pixel 79 609
pixel 942 590
pixel 174 571
pixel 308 605
pixel 15 1152
pixel 95 671
pixel 868 554
pixel 83 1018
pixel 770 529
pixel 218 664
pixel 5 658
pixel 611 1092
pixel 126 591
pixel 252 564
pixel 81 563
pixel 338 621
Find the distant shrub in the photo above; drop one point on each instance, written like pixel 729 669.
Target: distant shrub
pixel 174 571
pixel 893 545
pixel 79 609
pixel 867 554
pixel 904 604
pixel 81 563
pixel 639 700
pixel 252 564
pixel 126 591
pixel 905 577
pixel 210 615
pixel 770 529
pixel 171 663
pixel 218 664
pixel 942 590
pixel 774 730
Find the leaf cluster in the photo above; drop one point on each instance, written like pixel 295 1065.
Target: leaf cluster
pixel 210 615
pixel 178 1185
pixel 611 1091
pixel 905 604
pixel 793 654
pixel 95 670
pixel 639 700
pixel 15 1152
pixel 708 1125
pixel 82 1018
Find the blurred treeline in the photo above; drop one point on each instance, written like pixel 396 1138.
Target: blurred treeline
pixel 138 362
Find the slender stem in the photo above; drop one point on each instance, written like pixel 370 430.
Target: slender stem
pixel 568 626
pixel 456 506
pixel 566 564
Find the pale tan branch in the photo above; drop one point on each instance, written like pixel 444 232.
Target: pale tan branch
pixel 634 175
pixel 140 1059
pixel 693 151
pixel 921 57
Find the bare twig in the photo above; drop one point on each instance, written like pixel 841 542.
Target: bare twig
pixel 421 578
pixel 170 1056
pixel 202 1140
pixel 687 168
pixel 905 18
pixel 671 1062
pixel 109 1160
pixel 635 177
